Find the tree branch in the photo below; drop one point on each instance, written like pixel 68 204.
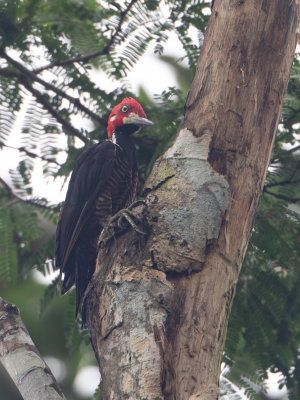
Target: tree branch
pixel 288 181
pixel 282 197
pixel 34 78
pixel 31 202
pixel 282 183
pixel 26 81
pixel 8 72
pixel 292 150
pixel 292 116
pixel 29 153
pixel 22 360
pixel 43 100
pixel 88 57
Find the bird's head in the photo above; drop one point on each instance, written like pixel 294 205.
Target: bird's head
pixel 128 115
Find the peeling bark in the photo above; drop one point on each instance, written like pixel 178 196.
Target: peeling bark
pixel 158 304
pixel 22 360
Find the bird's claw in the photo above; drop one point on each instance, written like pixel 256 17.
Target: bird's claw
pixel 119 222
pixel 126 215
pixel 136 204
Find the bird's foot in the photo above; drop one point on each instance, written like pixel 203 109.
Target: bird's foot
pixel 136 204
pixel 121 221
pixel 126 216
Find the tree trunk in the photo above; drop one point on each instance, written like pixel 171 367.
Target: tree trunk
pixel 158 304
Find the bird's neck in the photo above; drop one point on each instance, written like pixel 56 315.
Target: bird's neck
pixel 124 140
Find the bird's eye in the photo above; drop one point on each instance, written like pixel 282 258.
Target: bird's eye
pixel 125 108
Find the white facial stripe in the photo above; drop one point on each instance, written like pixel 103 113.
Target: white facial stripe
pixel 113 117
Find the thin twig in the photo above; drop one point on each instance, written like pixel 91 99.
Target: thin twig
pixel 88 57
pixel 282 197
pixel 288 181
pixel 8 72
pixel 31 202
pixel 33 77
pixel 43 100
pixel 294 113
pixel 292 150
pixel 26 81
pixel 29 153
pixel 282 183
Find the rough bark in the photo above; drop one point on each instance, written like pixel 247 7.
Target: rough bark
pixel 22 360
pixel 158 304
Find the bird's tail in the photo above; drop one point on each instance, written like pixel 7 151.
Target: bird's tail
pixel 84 268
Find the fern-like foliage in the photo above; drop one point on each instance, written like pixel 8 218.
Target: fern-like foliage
pixel 268 296
pixel 10 101
pixel 8 252
pixel 228 391
pixel 49 294
pixel 26 238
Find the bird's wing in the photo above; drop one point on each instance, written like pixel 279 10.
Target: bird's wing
pixel 91 172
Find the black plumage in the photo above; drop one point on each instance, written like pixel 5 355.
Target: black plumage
pixel 103 182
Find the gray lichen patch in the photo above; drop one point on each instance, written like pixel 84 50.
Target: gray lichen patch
pixel 199 217
pixel 189 146
pixel 190 206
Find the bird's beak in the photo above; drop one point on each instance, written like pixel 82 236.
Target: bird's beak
pixel 136 120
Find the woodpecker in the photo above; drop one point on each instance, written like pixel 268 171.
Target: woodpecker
pixel 103 182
